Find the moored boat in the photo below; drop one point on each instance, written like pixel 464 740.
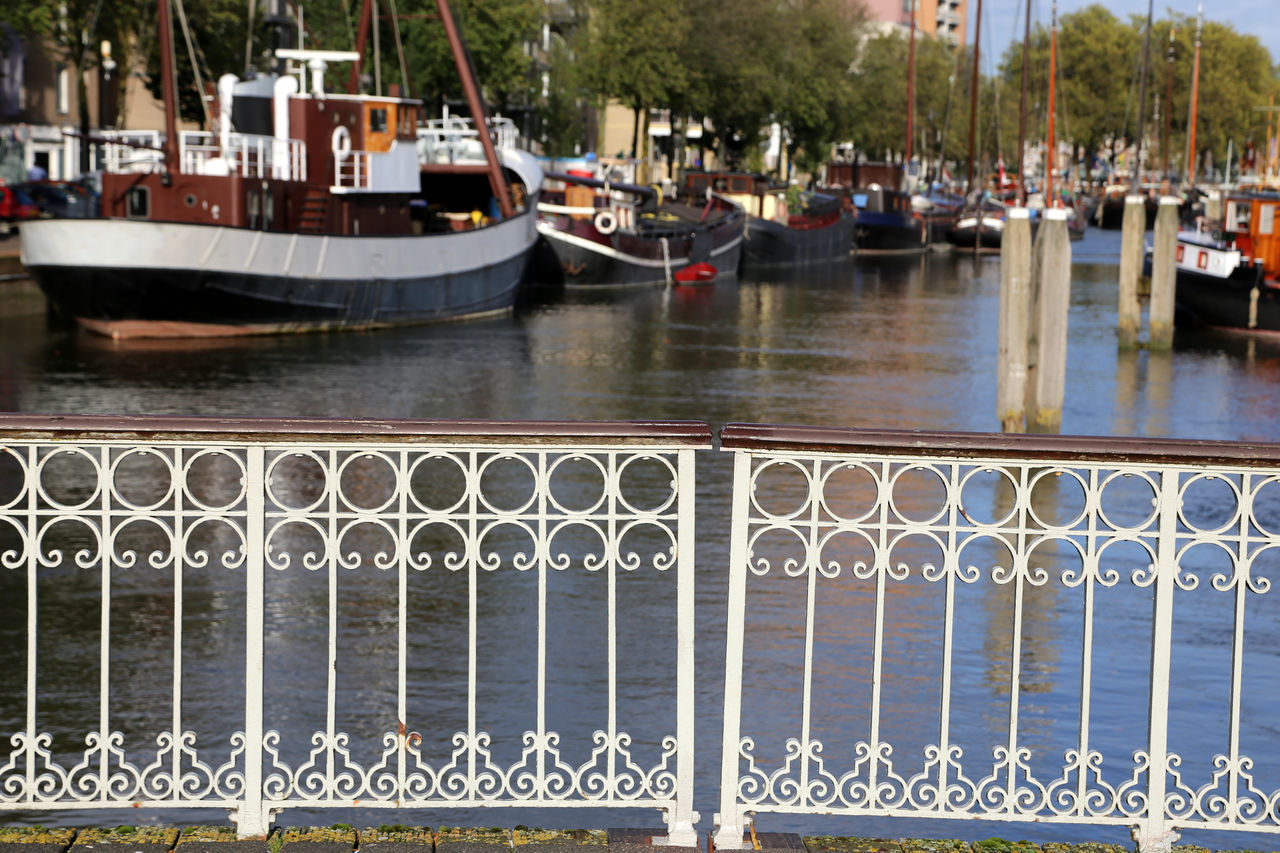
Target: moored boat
pixel 786 227
pixel 979 228
pixel 1228 272
pixel 303 210
pixel 596 233
pixel 884 221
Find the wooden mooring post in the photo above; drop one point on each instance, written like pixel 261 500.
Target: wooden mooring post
pixel 1015 316
pixel 1164 265
pixel 1130 312
pixel 1035 297
pixel 1050 304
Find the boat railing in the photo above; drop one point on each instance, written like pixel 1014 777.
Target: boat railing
pixel 353 170
pixel 249 155
pixel 355 597
pixel 455 140
pixel 131 151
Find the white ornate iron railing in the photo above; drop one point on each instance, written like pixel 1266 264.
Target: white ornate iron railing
pixel 926 572
pixel 427 573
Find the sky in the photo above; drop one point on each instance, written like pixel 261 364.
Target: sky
pixel 1001 18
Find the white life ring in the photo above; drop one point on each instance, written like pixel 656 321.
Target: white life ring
pixel 606 222
pixel 341 141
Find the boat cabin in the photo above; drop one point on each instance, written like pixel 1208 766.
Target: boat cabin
pixel 1251 223
pixel 285 155
pixel 787 205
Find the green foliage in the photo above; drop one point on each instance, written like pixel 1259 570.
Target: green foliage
pixel 1099 61
pixel 819 88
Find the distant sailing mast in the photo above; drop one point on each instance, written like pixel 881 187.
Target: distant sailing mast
pixel 1195 102
pixel 911 97
pixel 1053 65
pixel 1022 103
pixel 1142 95
pixel 973 97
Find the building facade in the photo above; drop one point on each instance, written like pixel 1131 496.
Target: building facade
pixel 945 19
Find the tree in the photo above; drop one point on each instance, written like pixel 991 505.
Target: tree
pixel 631 52
pixel 820 47
pixel 879 105
pixel 735 76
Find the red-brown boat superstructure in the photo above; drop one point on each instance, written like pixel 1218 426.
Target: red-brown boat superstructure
pixel 303 209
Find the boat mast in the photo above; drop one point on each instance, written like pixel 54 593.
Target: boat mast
pixel 170 145
pixel 911 93
pixel 973 94
pixel 1142 90
pixel 479 115
pixel 1168 106
pixel 1053 66
pixel 1022 104
pixel 1195 102
pixel 362 35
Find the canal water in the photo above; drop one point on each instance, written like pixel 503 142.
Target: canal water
pixel 888 343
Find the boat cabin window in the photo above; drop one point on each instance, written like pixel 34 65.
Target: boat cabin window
pixel 138 203
pixel 408 121
pixel 378 120
pixel 1237 216
pixel 1267 218
pixel 268 210
pixel 253 207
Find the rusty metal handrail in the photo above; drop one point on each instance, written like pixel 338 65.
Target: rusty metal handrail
pixel 957 445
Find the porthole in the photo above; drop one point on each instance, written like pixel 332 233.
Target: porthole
pixel 189 199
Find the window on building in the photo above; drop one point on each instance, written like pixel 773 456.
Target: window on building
pixel 64 89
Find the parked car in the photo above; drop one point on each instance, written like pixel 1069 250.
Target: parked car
pixel 15 205
pixel 63 199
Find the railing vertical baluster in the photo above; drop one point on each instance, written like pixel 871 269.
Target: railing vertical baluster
pixel 811 567
pixel 402 622
pixel 252 817
pixel 680 826
pixel 473 562
pixel 1240 573
pixel 540 560
pixel 613 488
pixel 178 561
pixel 104 621
pixel 1091 566
pixel 331 694
pixel 949 569
pixel 877 649
pixel 1021 567
pixel 1153 834
pixel 729 822
pixel 33 576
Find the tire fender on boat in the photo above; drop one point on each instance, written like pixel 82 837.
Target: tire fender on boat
pixel 606 222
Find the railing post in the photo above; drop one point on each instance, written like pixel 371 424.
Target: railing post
pixel 1153 835
pixel 253 818
pixel 730 822
pixel 680 826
